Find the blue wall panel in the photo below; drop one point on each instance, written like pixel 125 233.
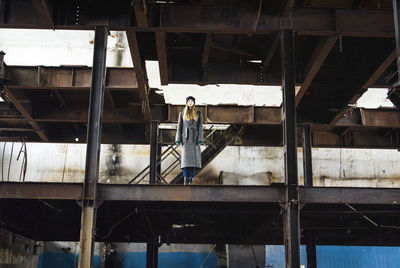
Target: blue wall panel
pixel 61 260
pixel 358 257
pixel 340 257
pixel 168 260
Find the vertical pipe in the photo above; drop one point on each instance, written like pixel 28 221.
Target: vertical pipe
pixel 291 215
pixel 88 217
pixel 152 255
pixel 307 156
pixel 153 151
pixel 311 249
pixel 396 11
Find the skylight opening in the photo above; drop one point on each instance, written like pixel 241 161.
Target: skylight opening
pixel 374 98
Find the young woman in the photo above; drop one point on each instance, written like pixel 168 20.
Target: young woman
pixel 190 135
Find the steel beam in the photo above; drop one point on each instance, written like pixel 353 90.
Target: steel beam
pixel 311 249
pixel 162 57
pixel 140 71
pixel 396 17
pixel 152 255
pixel 197 193
pixel 24 106
pixel 374 77
pixel 317 59
pixel 200 193
pixel 223 19
pixel 153 152
pixel 88 218
pixel 343 195
pixel 140 8
pixel 291 213
pixel 42 9
pixel 232 114
pixel 206 54
pixel 76 78
pixel 41 190
pixel 307 156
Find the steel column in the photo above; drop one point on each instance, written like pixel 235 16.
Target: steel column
pixel 159 152
pixel 291 215
pixel 88 218
pixel 311 249
pixel 396 16
pixel 153 152
pixel 152 255
pixel 307 156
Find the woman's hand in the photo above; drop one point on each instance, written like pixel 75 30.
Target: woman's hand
pixel 177 142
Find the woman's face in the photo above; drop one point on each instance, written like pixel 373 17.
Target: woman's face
pixel 190 103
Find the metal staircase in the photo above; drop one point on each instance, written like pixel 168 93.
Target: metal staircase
pixel 216 141
pixel 214 148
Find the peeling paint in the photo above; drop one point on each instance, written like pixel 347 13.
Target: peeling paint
pixel 120 163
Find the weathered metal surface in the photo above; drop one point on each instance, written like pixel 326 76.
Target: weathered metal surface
pixel 154 153
pixel 307 156
pixel 67 78
pixel 380 118
pixel 232 114
pixel 311 249
pixel 342 195
pixel 291 215
pixel 201 193
pixel 370 83
pixel 228 18
pixel 318 57
pixel 198 193
pixel 162 57
pixel 24 107
pixel 29 190
pixel 89 210
pixel 141 73
pixel 348 22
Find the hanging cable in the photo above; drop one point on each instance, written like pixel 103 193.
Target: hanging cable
pixel 372 221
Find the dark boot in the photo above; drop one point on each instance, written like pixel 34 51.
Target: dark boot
pixel 185 181
pixel 190 181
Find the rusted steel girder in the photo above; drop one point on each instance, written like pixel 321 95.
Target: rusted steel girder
pixel 89 210
pixel 67 78
pixel 291 215
pixel 200 193
pixel 343 195
pixel 207 18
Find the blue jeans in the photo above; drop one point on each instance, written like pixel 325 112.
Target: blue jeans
pixel 189 172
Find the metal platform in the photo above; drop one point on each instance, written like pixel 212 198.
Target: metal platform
pixel 201 214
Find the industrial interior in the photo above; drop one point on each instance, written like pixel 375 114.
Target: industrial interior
pixel 89 166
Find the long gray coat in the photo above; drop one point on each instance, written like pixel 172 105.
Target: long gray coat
pixel 189 133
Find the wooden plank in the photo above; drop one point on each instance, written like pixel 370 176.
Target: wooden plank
pixel 162 57
pixel 317 59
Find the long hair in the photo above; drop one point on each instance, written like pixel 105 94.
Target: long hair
pixel 190 113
